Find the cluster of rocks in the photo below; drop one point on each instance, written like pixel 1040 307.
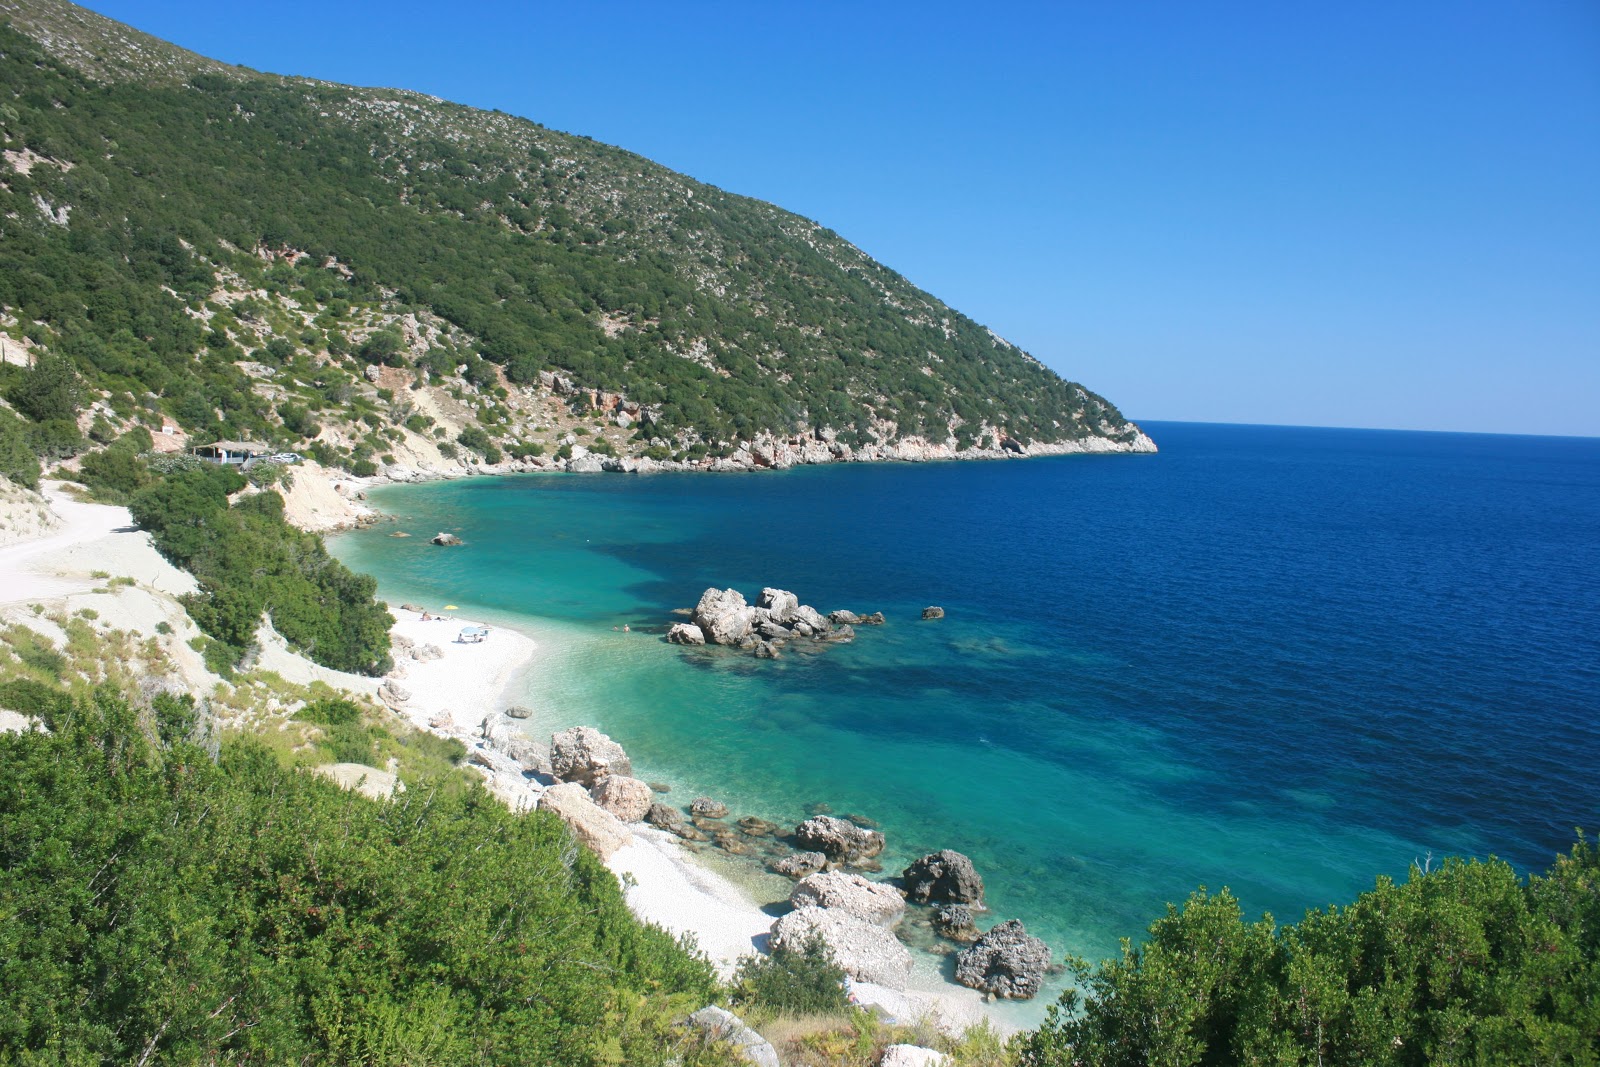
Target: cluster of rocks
pixel 723 617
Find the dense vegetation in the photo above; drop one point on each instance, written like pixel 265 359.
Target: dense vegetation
pixel 723 315
pixel 250 562
pixel 158 907
pixel 1463 964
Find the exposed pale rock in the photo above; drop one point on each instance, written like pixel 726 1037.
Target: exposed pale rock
pixel 723 616
pixel 867 952
pixel 874 902
pixel 626 798
pixel 443 538
pixel 584 754
pixel 844 618
pixel 686 633
pixel 933 613
pixel 912 1056
pixel 519 711
pixel 597 829
pixel 945 876
pixel 719 1024
pixel 839 839
pixel 781 604
pixel 1006 962
pixel 368 781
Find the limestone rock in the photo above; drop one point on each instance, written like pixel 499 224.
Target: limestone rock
pixel 597 829
pixel 719 1024
pixel 867 953
pixel 933 613
pixel 392 693
pixel 626 798
pixel 686 633
pixel 751 826
pixel 584 754
pixel 781 605
pixel 839 839
pixel 1007 962
pixel 945 876
pixel 875 619
pixel 874 902
pixel 443 538
pixel 519 711
pixel 706 808
pixel 844 618
pixel 723 616
pixel 766 650
pixel 504 737
pixel 912 1056
pixel 800 864
pixel 955 922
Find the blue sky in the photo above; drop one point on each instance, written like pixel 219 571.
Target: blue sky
pixel 1352 214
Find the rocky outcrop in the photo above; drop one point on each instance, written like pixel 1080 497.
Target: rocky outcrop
pixel 721 1025
pixel 873 902
pixel 1006 962
pixel 868 953
pixel 943 877
pixel 912 1056
pixel 799 864
pixel 501 735
pixel 519 711
pixel 597 829
pixel 839 839
pixel 706 808
pixel 722 617
pixel 955 922
pixel 685 633
pixel 445 539
pixel 585 755
pixel 628 799
pixel 933 613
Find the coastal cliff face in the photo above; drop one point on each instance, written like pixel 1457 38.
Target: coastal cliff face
pixel 381 279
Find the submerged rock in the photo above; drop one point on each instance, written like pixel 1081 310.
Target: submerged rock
pixel 585 755
pixel 1006 962
pixel 839 839
pixel 706 808
pixel 873 902
pixel 933 613
pixel 868 953
pixel 800 864
pixel 955 922
pixel 945 876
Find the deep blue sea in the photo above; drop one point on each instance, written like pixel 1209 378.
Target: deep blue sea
pixel 1281 660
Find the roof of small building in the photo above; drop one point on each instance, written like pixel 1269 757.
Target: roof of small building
pixel 238 446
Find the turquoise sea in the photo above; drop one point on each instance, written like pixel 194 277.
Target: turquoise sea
pixel 1280 660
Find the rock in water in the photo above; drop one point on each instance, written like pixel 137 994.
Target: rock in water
pixel 955 922
pixel 685 633
pixel 875 619
pixel 945 877
pixel 626 798
pixel 706 808
pixel 598 829
pixel 867 953
pixel 442 538
pixel 1007 962
pixel 780 604
pixel 719 1024
pixel 839 839
pixel 518 711
pixel 933 613
pixel 723 616
pixel 584 755
pixel 844 618
pixel 873 902
pixel 800 864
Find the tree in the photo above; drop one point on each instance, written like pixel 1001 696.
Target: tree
pixel 50 391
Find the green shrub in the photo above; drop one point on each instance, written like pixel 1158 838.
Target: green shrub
pixel 329 712
pixel 804 981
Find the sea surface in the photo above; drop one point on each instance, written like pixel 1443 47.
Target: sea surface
pixel 1281 660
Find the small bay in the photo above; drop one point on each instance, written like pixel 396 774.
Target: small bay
pixel 1281 660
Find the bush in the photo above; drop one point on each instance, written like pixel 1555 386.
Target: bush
pixel 114 473
pixel 329 712
pixel 804 981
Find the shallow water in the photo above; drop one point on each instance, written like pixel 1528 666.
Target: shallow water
pixel 1281 660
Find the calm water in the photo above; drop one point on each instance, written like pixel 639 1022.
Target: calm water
pixel 1280 660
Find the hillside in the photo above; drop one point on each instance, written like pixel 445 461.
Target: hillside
pixel 379 277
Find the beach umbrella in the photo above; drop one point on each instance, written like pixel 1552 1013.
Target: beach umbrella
pixel 450 607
